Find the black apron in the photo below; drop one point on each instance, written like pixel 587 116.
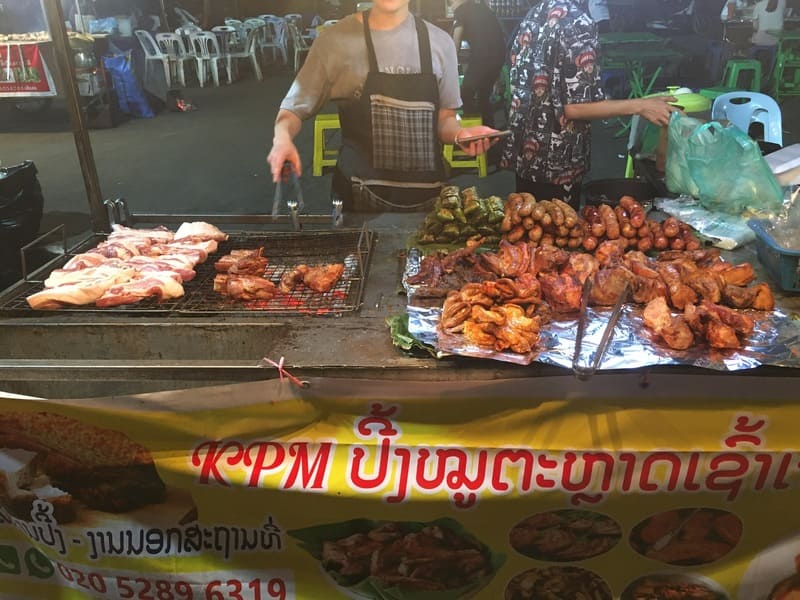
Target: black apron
pixel 391 157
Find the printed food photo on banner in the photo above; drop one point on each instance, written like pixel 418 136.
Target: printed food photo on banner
pixel 774 574
pixel 687 536
pixel 405 560
pixel 565 535
pixel 557 582
pixel 80 474
pixel 674 586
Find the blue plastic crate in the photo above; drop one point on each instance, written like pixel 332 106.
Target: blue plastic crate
pixel 783 264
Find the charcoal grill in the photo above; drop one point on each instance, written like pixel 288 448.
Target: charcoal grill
pixel 285 250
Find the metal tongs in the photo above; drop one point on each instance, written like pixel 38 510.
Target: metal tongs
pixel 585 372
pixel 294 202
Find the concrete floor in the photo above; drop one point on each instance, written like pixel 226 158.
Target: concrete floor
pixel 213 159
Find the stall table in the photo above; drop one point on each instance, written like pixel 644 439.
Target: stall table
pixel 266 482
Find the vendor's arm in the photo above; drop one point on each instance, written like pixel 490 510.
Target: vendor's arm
pixel 287 126
pixel 305 98
pixel 458 35
pixel 450 129
pixel 656 109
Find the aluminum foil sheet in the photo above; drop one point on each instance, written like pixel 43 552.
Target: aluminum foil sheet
pixel 775 340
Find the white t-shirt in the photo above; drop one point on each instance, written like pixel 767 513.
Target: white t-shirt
pixel 336 66
pixel 767 21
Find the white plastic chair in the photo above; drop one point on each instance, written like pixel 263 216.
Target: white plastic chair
pixel 152 52
pixel 295 18
pixel 275 38
pixel 207 54
pixel 299 44
pixel 228 37
pixel 742 108
pixel 173 46
pixel 249 51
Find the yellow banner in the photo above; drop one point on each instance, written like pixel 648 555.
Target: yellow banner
pixel 672 487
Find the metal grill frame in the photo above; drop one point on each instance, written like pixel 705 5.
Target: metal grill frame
pixel 284 250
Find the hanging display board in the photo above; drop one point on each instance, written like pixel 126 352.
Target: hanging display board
pixel 403 490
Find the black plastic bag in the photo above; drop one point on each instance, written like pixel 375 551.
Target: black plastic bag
pixel 21 205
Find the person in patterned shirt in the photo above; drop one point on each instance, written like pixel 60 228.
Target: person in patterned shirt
pixel 555 92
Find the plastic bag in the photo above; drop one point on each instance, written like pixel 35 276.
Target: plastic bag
pixel 720 166
pixel 130 97
pixel 730 171
pixel 677 176
pixel 107 25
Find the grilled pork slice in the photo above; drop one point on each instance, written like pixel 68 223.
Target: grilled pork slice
pixel 102 468
pixel 164 285
pixel 202 230
pixel 320 278
pixel 242 262
pixel 79 293
pixel 244 287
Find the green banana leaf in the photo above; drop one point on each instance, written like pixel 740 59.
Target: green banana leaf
pixel 398 329
pixel 311 540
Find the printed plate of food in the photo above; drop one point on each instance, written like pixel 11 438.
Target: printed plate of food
pixel 557 582
pixel 401 560
pixel 687 536
pixel 674 586
pixel 565 535
pixel 79 475
pixel 774 574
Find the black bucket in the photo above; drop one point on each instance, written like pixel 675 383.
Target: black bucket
pixel 609 191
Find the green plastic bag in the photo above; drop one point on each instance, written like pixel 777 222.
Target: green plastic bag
pixel 677 176
pixel 722 167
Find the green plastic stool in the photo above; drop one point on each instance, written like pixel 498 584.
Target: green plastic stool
pixel 713 92
pixel 736 68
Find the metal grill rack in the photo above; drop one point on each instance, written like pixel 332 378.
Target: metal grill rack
pixel 284 250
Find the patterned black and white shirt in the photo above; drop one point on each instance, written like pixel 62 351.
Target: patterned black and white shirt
pixel 553 63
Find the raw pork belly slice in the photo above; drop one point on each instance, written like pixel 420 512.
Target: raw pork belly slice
pixel 200 229
pixel 159 235
pixel 84 261
pixel 164 285
pixel 76 294
pixel 172 263
pixel 111 268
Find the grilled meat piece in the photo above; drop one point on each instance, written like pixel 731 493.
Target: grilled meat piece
pixel 673 329
pixel 608 285
pixel 510 260
pixel 546 259
pixel 242 262
pixel 561 291
pixel 114 489
pixel 244 287
pixel 322 278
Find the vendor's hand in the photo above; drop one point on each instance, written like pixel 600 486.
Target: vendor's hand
pixel 280 153
pixel 478 146
pixel 657 109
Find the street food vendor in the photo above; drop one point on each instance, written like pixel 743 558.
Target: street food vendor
pixel 395 78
